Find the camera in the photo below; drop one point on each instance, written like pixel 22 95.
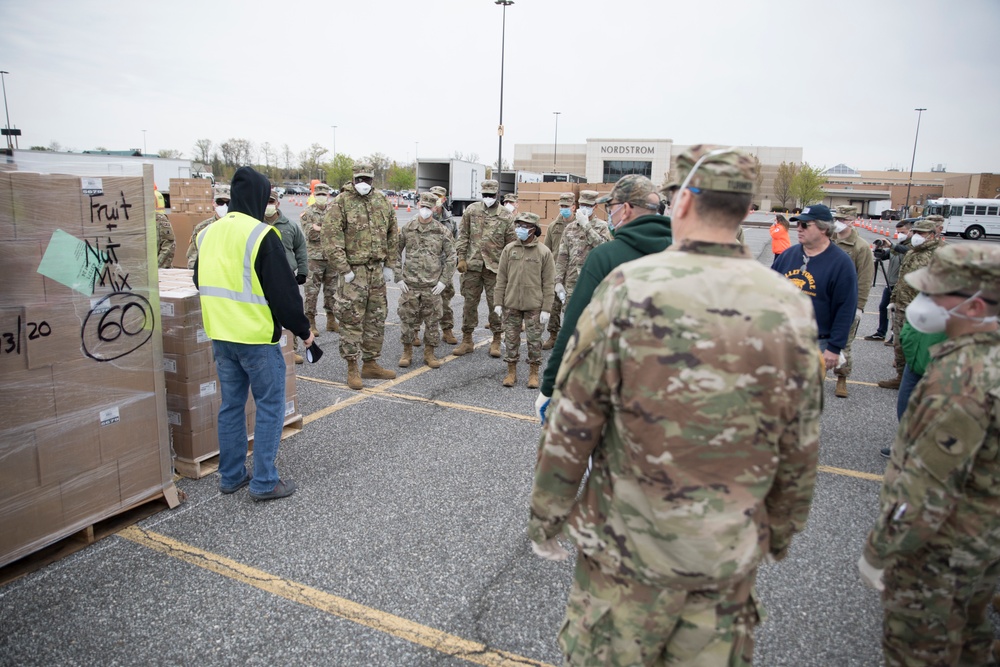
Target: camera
pixel 882 249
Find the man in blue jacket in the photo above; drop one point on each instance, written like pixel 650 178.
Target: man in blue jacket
pixel 826 273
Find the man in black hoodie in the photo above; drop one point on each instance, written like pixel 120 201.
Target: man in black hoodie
pixel 244 309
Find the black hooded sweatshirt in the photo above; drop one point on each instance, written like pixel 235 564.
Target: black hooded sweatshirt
pixel 249 193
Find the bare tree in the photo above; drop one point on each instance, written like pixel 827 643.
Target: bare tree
pixel 170 153
pixel 268 154
pixel 380 163
pixel 229 155
pixel 287 156
pixel 203 150
pixel 55 146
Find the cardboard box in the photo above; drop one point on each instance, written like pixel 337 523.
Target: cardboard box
pixel 13 348
pixel 27 398
pixel 139 477
pixel 129 428
pixel 53 332
pixel 88 385
pixel 18 463
pixel 184 224
pixel 188 395
pixel 43 203
pixel 27 520
pixel 7 227
pixel 199 366
pixel 68 447
pixel 21 281
pixel 191 446
pixel 192 420
pixel 94 493
pixel 119 209
pixel 186 341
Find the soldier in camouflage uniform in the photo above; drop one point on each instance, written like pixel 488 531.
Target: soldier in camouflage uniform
pixel 427 268
pixel 360 239
pixel 221 208
pixel 847 238
pixel 937 536
pixel 485 230
pixel 510 203
pixel 294 242
pixel 692 382
pixel 166 245
pixel 553 239
pixel 321 275
pixel 581 236
pixel 443 215
pixel 924 241
pixel 524 293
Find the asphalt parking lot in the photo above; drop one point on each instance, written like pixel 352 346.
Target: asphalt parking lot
pixel 406 545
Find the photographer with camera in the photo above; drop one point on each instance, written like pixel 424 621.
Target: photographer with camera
pixel 885 250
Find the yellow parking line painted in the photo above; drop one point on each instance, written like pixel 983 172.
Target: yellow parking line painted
pixel 390 624
pixel 866 384
pixel 850 473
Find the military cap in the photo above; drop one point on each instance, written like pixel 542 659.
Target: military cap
pixel 530 218
pixel 490 187
pixel 845 213
pixel 632 189
pixel 924 225
pixel 936 219
pixel 274 195
pixel 322 188
pixel 589 197
pixel 729 171
pixel 221 192
pixel 819 212
pixel 510 198
pixel 439 191
pixel 959 267
pixel 428 199
pixel 567 199
pixel 364 170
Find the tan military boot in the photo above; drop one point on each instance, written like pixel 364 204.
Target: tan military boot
pixel 448 336
pixel 416 337
pixel 550 342
pixel 495 346
pixel 404 361
pixel 371 370
pixel 429 358
pixel 511 378
pixel 298 358
pixel 841 387
pixel 466 347
pixel 891 384
pixel 312 326
pixel 331 324
pixel 533 376
pixel 353 375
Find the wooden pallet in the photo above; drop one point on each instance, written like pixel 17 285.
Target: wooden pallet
pixel 209 463
pixel 167 499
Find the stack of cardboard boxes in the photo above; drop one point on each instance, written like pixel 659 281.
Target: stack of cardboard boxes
pixel 83 424
pixel 191 201
pixel 193 392
pixel 542 199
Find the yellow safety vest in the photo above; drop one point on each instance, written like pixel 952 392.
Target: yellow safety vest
pixel 233 306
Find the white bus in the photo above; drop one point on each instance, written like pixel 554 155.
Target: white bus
pixel 971 218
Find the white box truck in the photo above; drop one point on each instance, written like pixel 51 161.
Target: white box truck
pixel 462 179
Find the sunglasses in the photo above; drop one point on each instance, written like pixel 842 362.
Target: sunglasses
pixel 222 202
pixel 803 224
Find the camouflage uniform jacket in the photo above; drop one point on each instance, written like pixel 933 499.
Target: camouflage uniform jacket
pixel 483 234
pixel 941 490
pixel 430 254
pixel 918 257
pixel 313 215
pixel 166 245
pixel 554 234
pixel 526 279
pixel 294 242
pixel 575 245
pixel 192 251
pixel 692 379
pixel 360 230
pixel 864 263
pixel 448 221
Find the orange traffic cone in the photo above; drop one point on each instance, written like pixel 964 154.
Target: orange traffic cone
pixel 407 207
pixel 397 204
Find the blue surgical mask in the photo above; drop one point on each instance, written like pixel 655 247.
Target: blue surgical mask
pixel 522 233
pixel 565 212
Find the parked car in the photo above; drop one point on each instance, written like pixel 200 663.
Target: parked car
pixel 280 190
pixel 296 190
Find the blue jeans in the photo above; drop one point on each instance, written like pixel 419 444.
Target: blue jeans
pixel 906 385
pixel 261 369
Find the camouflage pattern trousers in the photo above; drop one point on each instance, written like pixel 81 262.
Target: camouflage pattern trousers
pixel 512 334
pixel 419 305
pixel 898 320
pixel 555 317
pixel 845 370
pixel 614 621
pixel 447 314
pixel 474 283
pixel 361 309
pixel 321 277
pixel 936 612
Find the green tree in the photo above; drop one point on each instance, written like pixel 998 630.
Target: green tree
pixel 401 177
pixel 807 186
pixel 340 170
pixel 169 153
pixel 783 182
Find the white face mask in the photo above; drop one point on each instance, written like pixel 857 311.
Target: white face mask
pixel 509 207
pixel 917 240
pixel 928 317
pixel 222 210
pixel 489 201
pixel 587 210
pixel 424 213
pixel 362 188
pixel 440 201
pixel 839 227
pixel 270 210
pixel 321 200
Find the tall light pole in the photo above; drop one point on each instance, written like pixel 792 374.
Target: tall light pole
pixel 144 143
pixel 503 39
pixel 555 142
pixel 920 112
pixel 4 82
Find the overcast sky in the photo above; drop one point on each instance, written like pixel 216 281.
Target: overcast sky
pixel 839 79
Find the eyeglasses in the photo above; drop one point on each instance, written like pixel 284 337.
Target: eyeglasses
pixel 695 190
pixel 223 202
pixel 803 224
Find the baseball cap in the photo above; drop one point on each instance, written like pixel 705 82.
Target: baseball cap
pixel 529 217
pixel 588 197
pixel 364 170
pixel 815 212
pixel 567 199
pixel 428 199
pixel 490 187
pixel 924 225
pixel 438 191
pixel 631 189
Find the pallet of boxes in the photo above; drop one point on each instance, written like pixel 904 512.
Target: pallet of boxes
pixel 83 419
pixel 193 391
pixel 191 201
pixel 542 199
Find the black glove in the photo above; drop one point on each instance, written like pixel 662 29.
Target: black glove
pixel 300 279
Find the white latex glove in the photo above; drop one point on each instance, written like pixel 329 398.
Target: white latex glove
pixel 870 575
pixel 543 317
pixel 349 277
pixel 582 220
pixel 841 360
pixel 541 405
pixel 499 311
pixel 387 274
pixel 550 550
pixel 561 292
pixel 858 313
pixel 891 308
pixel 403 286
pixel 438 288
